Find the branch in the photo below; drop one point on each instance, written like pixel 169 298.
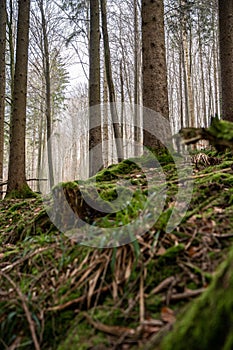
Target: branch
pixel 5 182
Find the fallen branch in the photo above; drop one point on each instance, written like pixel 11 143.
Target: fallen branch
pixel 219 134
pixel 34 179
pixel 113 330
pixel 164 284
pixel 226 170
pixel 186 295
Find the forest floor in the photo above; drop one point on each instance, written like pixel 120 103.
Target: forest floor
pixel 56 293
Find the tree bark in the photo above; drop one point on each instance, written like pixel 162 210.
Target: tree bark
pixel 154 71
pixel 3 83
pixel 95 157
pixel 112 97
pixel 226 56
pixel 136 81
pixel 46 68
pixel 17 185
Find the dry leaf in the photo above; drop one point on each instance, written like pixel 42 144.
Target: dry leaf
pixel 167 315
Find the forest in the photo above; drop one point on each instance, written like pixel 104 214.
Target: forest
pixel 116 174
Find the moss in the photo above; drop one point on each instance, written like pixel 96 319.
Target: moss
pixel 114 171
pixel 81 336
pixel 23 192
pixel 211 313
pixel 171 253
pixel 18 206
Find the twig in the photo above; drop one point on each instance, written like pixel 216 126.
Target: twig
pixel 226 235
pixel 113 330
pixel 165 283
pixel 17 262
pixel 5 182
pixel 26 310
pixel 186 295
pixel 190 178
pixel 142 302
pixel 75 301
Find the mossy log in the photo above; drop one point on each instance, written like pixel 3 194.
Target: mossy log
pixel 219 134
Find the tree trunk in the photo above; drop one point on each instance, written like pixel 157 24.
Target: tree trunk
pixel 136 82
pixel 17 185
pixel 46 68
pixel 3 83
pixel 95 157
pixel 154 71
pixel 205 117
pixel 226 56
pixel 10 27
pixel 112 97
pixel 105 122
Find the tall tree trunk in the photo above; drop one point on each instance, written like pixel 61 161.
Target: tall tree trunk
pixel 3 83
pixel 46 68
pixel 136 81
pixel 10 27
pixel 95 157
pixel 155 93
pixel 187 62
pixel 17 185
pixel 181 61
pixel 105 122
pixel 226 56
pixel 205 118
pixel 112 97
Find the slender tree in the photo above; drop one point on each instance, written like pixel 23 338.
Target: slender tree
pixel 3 83
pixel 111 88
pixel 226 56
pixel 95 157
pixel 136 78
pixel 17 185
pixel 155 93
pixel 46 69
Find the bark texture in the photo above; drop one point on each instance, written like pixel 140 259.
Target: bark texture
pixel 2 85
pixel 111 89
pixel 155 93
pixel 17 185
pixel 226 56
pixel 95 157
pixel 46 68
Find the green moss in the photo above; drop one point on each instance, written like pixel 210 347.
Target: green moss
pixel 212 312
pixel 81 336
pixel 171 253
pixel 24 192
pixel 115 171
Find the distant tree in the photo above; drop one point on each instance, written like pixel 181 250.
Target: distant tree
pixel 3 83
pixel 46 86
pixel 47 75
pixel 111 88
pixel 154 71
pixel 226 56
pixel 95 158
pixel 17 185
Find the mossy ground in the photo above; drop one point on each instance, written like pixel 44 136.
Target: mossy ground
pixel 84 298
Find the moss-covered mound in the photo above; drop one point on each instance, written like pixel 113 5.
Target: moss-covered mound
pixel 56 293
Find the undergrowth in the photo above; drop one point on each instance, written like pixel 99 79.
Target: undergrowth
pixel 58 293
